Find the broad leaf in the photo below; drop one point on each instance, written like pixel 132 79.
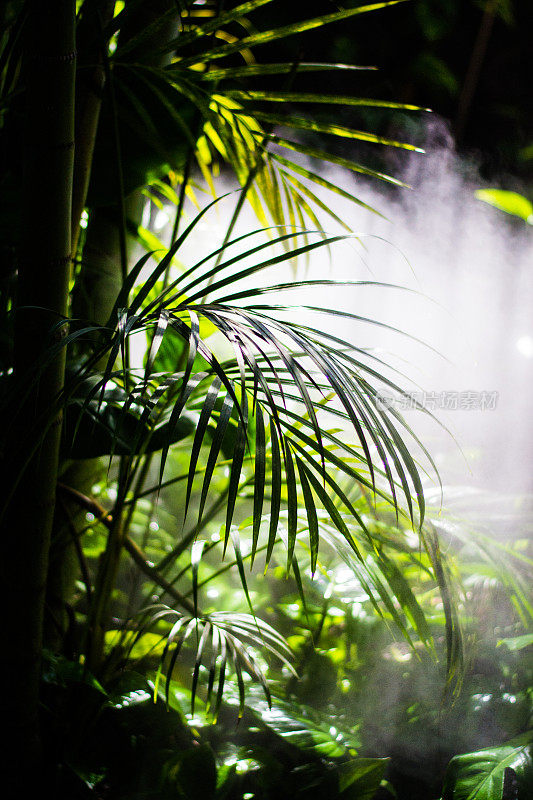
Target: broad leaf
pixel 483 775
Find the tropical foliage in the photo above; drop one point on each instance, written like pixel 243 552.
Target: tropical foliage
pixel 173 422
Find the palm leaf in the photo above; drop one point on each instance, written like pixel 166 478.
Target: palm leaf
pixel 224 636
pixel 265 37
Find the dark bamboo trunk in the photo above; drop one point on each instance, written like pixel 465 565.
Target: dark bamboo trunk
pixel 89 92
pixel 42 300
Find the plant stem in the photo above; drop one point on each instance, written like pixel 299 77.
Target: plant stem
pixel 129 545
pixel 42 299
pixel 90 86
pixel 474 68
pixel 146 567
pixel 107 574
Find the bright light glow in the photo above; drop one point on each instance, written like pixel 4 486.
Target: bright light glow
pixel 154 526
pixel 242 765
pixel 213 593
pixel 343 574
pixel 524 345
pixel 133 698
pixel 161 219
pixel 145 220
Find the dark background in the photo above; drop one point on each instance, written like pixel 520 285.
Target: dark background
pixel 468 60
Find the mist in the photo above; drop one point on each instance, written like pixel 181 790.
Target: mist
pixel 445 290
pixel 459 292
pixel 472 266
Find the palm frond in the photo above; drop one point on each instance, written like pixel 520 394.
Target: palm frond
pixel 226 640
pixel 157 104
pixel 266 408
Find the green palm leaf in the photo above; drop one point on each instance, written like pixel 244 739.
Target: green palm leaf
pixel 226 637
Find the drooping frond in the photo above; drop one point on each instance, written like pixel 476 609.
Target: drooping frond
pixel 284 381
pixel 223 641
pixel 202 104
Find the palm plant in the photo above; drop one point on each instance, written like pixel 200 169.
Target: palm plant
pixel 238 405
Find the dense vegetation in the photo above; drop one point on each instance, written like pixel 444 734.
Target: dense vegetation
pixel 207 503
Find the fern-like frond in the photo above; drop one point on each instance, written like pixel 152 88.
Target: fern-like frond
pixel 223 641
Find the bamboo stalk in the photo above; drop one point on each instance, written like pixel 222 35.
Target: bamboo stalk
pixel 97 15
pixel 44 268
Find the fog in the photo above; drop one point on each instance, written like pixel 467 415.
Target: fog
pixel 473 265
pixel 467 280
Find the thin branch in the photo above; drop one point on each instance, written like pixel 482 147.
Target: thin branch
pixel 145 566
pixel 79 550
pixel 93 507
pixel 474 68
pixel 88 503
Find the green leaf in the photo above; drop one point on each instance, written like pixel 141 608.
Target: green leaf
pixel 154 122
pixel 321 181
pixel 307 124
pixel 107 426
pixel 208 407
pixel 481 775
pixel 406 598
pixel 170 352
pixel 197 773
pixel 304 727
pixel 510 202
pixel 292 503
pixel 310 509
pixel 185 38
pixel 231 636
pixel 275 502
pixel 323 155
pixel 265 37
pixel 360 779
pixel 252 70
pixel 517 642
pixel 59 671
pixel 309 97
pixel 260 473
pixel 220 430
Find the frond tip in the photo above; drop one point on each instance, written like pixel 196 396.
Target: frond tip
pixel 222 640
pixel 270 407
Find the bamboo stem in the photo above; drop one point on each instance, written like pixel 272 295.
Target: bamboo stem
pixel 88 102
pixel 42 299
